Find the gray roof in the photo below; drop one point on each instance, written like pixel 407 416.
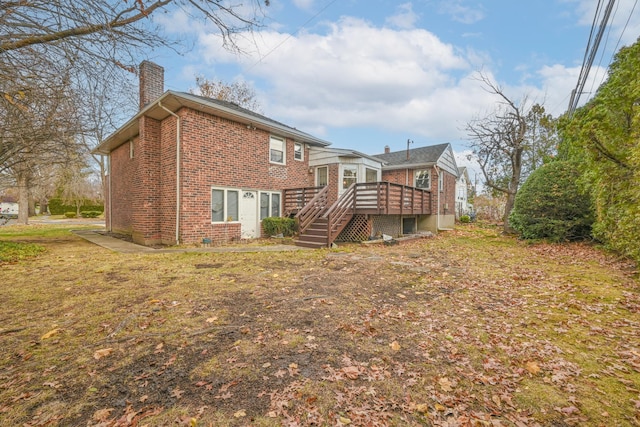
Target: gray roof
pixel 172 101
pixel 422 156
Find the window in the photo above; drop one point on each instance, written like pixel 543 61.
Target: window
pixel 371 175
pixel 224 205
pixel 441 181
pixel 349 175
pixel 423 179
pixel 269 205
pixel 322 176
pixel 131 148
pixel 276 150
pixel 298 151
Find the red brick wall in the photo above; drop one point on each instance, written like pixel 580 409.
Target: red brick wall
pixel 215 152
pixel 121 178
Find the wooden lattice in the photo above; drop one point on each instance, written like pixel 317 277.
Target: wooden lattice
pixel 358 229
pixel 387 224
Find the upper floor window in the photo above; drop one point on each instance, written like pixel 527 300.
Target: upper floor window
pixel 277 150
pixel 298 151
pixel 423 179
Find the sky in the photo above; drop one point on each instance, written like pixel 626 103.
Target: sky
pixel 364 74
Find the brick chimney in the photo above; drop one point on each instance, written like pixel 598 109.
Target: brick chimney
pixel 387 150
pixel 151 82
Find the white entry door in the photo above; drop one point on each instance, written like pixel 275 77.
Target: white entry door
pixel 249 214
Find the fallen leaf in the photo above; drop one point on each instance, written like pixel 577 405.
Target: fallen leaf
pixel 99 354
pixel 241 413
pixel 445 384
pixel 177 393
pixel 50 334
pixel 345 420
pixel 212 319
pixel 143 398
pixel 395 346
pixel 102 414
pixel 532 368
pixel 351 372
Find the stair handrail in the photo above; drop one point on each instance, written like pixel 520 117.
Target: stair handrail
pixel 312 210
pixel 345 205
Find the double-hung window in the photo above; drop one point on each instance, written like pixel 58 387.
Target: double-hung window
pixel 298 151
pixel 349 175
pixel 224 204
pixel 277 150
pixel 269 205
pixel 423 179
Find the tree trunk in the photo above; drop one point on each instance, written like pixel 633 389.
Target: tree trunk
pixel 32 206
pixel 508 207
pixel 23 197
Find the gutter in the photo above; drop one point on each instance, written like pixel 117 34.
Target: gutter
pixel 177 169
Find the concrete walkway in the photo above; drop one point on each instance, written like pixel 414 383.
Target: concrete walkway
pixel 122 246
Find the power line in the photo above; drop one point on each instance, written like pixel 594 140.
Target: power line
pixel 292 34
pixel 588 63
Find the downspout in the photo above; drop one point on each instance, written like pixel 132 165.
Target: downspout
pixel 177 169
pixel 438 203
pixel 110 193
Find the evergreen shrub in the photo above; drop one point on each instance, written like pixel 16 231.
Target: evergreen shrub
pixel 551 205
pixel 276 225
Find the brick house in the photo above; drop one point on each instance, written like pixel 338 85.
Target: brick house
pixel 187 168
pixel 431 168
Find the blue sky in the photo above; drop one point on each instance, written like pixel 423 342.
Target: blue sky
pixel 363 74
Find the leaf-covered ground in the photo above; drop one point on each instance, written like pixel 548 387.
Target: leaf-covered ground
pixel 468 328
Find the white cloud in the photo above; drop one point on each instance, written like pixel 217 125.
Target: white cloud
pixel 405 17
pixel 304 4
pixel 461 13
pixel 358 75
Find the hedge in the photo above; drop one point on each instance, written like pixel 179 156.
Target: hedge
pixel 57 207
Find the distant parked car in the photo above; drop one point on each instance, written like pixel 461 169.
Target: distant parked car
pixel 8 210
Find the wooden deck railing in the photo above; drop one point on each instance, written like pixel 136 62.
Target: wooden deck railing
pixel 340 213
pixel 314 209
pixel 385 198
pixel 297 198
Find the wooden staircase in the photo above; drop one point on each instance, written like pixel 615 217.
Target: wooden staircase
pixel 319 225
pixel 315 236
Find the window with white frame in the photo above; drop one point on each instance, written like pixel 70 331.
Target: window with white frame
pixel 441 181
pixel 269 205
pixel 322 176
pixel 277 152
pixel 349 175
pixel 224 204
pixel 423 179
pixel 371 175
pixel 298 151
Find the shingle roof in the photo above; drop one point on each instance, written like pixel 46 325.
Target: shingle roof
pixel 417 156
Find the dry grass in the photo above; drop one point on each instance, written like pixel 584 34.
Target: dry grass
pixel 469 328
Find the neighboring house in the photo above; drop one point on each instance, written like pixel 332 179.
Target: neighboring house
pixel 430 168
pixel 462 193
pixel 187 168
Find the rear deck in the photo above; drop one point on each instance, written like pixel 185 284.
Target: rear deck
pixel 320 221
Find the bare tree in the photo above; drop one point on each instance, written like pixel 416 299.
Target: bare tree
pixel 238 92
pixel 84 42
pixel 499 141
